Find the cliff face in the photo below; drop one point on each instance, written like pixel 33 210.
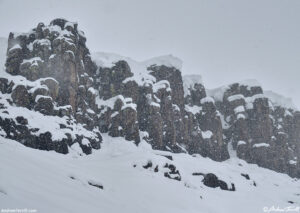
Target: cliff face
pixel 261 130
pixel 50 75
pixel 55 96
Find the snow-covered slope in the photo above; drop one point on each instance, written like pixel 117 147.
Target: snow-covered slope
pixel 52 182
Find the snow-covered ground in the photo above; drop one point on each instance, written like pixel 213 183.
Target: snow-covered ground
pixel 52 182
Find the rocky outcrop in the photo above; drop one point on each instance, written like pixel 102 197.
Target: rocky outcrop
pixel 207 118
pixel 154 97
pixel 261 131
pixel 56 96
pixel 51 73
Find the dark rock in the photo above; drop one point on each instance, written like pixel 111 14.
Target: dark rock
pixel 53 87
pixel 198 174
pixel 20 96
pixel 246 176
pixel 32 69
pixel 168 156
pixel 3 85
pixel 39 91
pixel 211 180
pixel 44 104
pixel 95 185
pixel 148 165
pixel 22 120
pixel 173 172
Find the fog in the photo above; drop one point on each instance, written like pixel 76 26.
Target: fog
pixel 224 41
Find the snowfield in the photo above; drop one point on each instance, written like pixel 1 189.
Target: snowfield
pixel 113 179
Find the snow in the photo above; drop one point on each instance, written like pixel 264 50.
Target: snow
pixel 90 111
pixel 107 59
pixel 53 28
pixel 217 93
pixel 254 97
pixel 241 143
pixel 207 100
pixel 166 60
pixel 109 103
pixel 72 53
pixel 16 34
pixel 30 46
pixel 114 114
pixel 141 74
pixel 44 123
pixel 241 116
pixel 52 56
pixel 189 81
pixel 293 162
pixel 175 107
pixel 43 42
pixel 163 84
pixel 53 182
pixel 154 104
pixel 42 96
pixel 85 142
pixel 16 46
pixel 92 90
pixel 239 109
pixel 287 113
pixel 250 100
pixel 225 125
pixel 249 105
pixel 70 24
pixel 249 83
pixel 193 109
pixel 129 105
pixel 235 97
pixel 258 145
pixel 207 134
pixel 279 100
pixel 33 61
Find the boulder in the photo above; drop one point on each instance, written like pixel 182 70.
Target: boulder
pixel 53 87
pixel 44 105
pixel 20 96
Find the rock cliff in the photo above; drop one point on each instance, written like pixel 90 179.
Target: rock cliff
pixel 56 96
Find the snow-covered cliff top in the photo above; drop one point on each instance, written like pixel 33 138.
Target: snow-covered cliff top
pixel 103 59
pixel 189 81
pixel 280 100
pixel 141 74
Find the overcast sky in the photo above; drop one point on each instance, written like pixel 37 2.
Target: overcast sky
pixel 224 41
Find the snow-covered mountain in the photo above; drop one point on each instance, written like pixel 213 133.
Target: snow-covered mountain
pixel 138 136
